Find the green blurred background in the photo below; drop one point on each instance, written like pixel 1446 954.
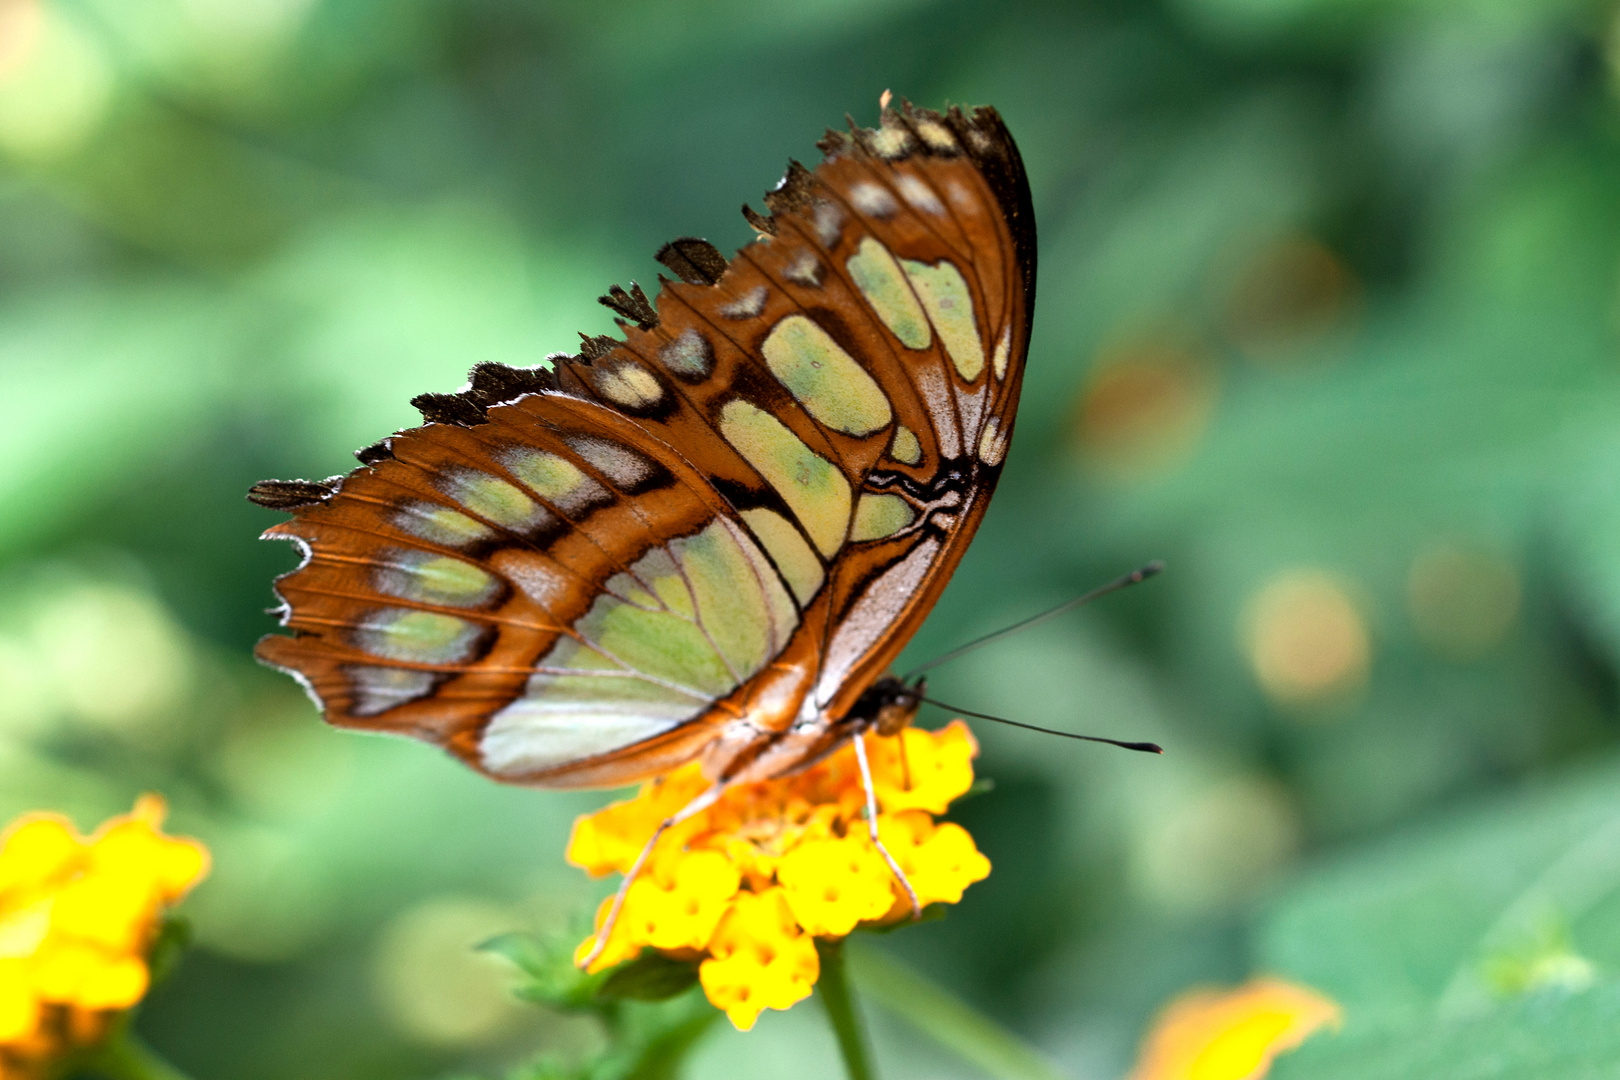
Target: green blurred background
pixel 1328 321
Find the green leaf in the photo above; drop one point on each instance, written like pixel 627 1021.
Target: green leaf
pixel 1466 950
pixel 1449 920
pixel 652 976
pixel 552 977
pixel 1550 1036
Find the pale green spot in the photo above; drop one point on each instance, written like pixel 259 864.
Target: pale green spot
pixel 784 617
pixel 824 378
pixel 1003 348
pixel 794 559
pixel 873 200
pixel 905 449
pixel 631 673
pixel 622 466
pixel 630 385
pixel 877 516
pixel 729 603
pixel 919 194
pixel 884 285
pixel 441 525
pixel 950 307
pixel 434 579
pixel 554 478
pixel 656 643
pixel 688 355
pixel 992 443
pixel 493 499
pixel 378 689
pixel 626 587
pixel 563 718
pixel 572 653
pixel 889 142
pixel 936 135
pixel 421 636
pixel 658 569
pixel 814 489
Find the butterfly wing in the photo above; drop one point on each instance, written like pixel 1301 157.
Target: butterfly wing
pixel 708 537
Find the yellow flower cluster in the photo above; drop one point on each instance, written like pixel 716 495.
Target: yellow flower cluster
pixel 748 884
pixel 77 917
pixel 1231 1034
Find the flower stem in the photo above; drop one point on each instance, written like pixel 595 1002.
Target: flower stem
pixel 951 1022
pixel 834 991
pixel 125 1057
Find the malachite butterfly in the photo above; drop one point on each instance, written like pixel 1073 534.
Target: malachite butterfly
pixel 710 538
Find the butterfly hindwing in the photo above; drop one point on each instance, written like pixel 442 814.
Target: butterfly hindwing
pixel 711 535
pixel 534 574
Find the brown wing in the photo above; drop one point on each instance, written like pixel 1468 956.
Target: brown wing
pixel 716 531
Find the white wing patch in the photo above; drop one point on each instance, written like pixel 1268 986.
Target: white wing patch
pixel 870 618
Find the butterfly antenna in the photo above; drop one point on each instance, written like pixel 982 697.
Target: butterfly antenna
pixel 1144 747
pixel 1132 578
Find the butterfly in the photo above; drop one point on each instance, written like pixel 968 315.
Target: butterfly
pixel 708 537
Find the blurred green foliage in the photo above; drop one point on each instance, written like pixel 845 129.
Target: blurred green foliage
pixel 1327 320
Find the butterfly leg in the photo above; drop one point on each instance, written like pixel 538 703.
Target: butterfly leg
pixel 696 806
pixel 872 824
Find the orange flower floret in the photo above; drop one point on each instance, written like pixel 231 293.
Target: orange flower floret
pixel 77 916
pixel 751 882
pixel 935 768
pixel 758 959
pixel 833 884
pixel 1231 1034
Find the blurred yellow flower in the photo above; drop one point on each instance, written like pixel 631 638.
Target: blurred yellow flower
pixel 77 917
pixel 749 884
pixel 1231 1034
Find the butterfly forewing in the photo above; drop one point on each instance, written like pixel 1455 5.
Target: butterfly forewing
pixel 707 538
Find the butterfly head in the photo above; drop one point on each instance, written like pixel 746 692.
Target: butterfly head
pixel 888 706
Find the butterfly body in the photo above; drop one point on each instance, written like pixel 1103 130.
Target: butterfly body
pixel 708 539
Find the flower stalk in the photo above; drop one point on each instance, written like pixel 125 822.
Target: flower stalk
pixel 838 999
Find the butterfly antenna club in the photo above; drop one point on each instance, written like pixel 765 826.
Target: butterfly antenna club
pixel 1143 747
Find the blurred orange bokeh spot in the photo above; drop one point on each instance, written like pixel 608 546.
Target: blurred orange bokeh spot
pixel 1231 1034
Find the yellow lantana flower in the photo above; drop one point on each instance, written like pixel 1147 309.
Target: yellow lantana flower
pixel 77 917
pixel 747 885
pixel 1231 1034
